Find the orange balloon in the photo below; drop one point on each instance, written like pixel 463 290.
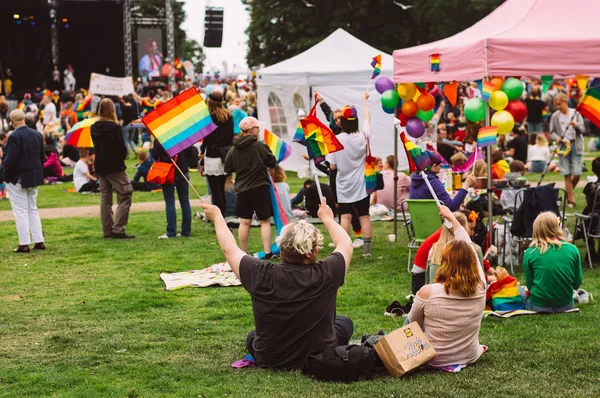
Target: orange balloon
pixel 497 81
pixel 426 102
pixel 410 108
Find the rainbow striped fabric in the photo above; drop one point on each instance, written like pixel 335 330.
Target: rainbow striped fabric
pixel 180 122
pixel 148 105
pixel 370 175
pixel 299 135
pixel 589 105
pixel 376 64
pixel 435 62
pixel 320 141
pixel 279 218
pixel 487 136
pixel 280 149
pixel 487 89
pixel 417 158
pixel 505 295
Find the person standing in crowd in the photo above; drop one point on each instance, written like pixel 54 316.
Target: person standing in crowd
pixel 50 115
pixel 518 145
pixel 181 184
pixel 55 85
pixel 249 159
pixel 68 117
pixel 111 170
pixel 130 113
pixel 351 188
pixel 4 119
pixel 23 173
pixel 69 79
pixel 567 128
pixel 535 107
pixel 83 180
pixel 215 147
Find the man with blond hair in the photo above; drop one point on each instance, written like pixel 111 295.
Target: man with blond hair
pixel 294 302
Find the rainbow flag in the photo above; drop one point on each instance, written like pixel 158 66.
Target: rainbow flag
pixel 505 295
pixel 370 175
pixel 417 158
pixel 148 105
pixel 589 105
pixel 81 106
pixel 320 141
pixel 435 62
pixel 487 136
pixel 279 217
pixel 280 149
pixel 487 89
pixel 180 122
pixel 544 114
pixel 299 135
pixel 376 64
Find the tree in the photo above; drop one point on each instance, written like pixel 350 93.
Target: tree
pixel 280 29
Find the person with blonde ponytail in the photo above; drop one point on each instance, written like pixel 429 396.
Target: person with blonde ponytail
pixel 552 267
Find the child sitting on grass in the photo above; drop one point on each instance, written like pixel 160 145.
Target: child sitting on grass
pixel 82 178
pixel 142 172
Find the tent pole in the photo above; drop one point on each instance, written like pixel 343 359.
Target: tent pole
pixel 489 182
pixel 395 183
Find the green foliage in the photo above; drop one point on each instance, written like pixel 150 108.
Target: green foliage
pixel 281 29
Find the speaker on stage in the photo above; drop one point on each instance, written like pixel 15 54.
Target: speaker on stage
pixel 213 27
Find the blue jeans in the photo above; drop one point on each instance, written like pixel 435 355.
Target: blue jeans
pixel 531 307
pixel 186 210
pixel 534 127
pixel 129 137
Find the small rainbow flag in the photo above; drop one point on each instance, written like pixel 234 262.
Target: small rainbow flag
pixel 435 62
pixel 487 136
pixel 180 122
pixel 417 158
pixel 487 90
pixel 280 149
pixel 81 106
pixel 299 135
pixel 544 114
pixel 589 105
pixel 376 64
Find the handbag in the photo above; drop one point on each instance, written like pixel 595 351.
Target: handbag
pixel 345 363
pixel 162 173
pixel 373 177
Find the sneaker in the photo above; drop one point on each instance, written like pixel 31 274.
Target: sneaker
pixel 582 297
pixel 331 244
pixel 397 309
pixel 358 243
pixel 165 236
pixel 367 256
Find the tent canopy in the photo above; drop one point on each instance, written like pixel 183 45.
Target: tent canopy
pixel 520 38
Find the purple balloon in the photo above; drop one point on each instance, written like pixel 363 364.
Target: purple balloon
pixel 383 84
pixel 415 127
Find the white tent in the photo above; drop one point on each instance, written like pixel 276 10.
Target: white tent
pixel 339 68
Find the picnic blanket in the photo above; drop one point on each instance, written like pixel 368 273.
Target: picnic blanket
pixel 509 314
pixel 216 274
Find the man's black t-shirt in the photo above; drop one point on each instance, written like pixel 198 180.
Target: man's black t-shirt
pixel 534 110
pixel 294 308
pixel 520 145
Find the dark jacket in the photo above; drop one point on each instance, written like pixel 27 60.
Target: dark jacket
pixel 249 159
pixel 535 201
pixel 159 154
pixel 110 147
pixel 220 138
pixel 142 172
pixel 419 190
pixel 329 116
pixel 24 158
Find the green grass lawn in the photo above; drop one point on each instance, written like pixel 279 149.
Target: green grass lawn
pixel 90 318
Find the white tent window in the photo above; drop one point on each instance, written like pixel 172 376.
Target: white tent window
pixel 278 123
pixel 299 102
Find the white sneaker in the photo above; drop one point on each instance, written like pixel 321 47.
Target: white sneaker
pixel 582 297
pixel 358 243
pixel 164 236
pixel 331 244
pixel 367 256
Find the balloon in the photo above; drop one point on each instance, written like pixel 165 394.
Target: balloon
pixel 389 99
pixel 403 118
pixel 410 108
pixel 387 110
pixel 475 110
pixel 426 102
pixel 406 91
pixel 513 88
pixel 383 84
pixel 517 109
pixel 498 100
pixel 415 127
pixel 504 121
pixel 425 115
pixel 497 81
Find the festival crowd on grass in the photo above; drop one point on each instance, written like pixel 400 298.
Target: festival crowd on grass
pixel 294 300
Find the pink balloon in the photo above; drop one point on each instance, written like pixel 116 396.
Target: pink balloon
pixel 415 127
pixel 383 84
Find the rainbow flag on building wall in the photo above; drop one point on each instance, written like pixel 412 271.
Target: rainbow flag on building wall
pixel 589 105
pixel 280 149
pixel 180 122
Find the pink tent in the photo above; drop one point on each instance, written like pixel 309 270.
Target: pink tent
pixel 520 38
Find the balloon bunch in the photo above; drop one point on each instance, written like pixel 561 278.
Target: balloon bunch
pixel 504 99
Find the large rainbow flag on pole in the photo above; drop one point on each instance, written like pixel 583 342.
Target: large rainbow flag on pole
pixel 280 149
pixel 589 105
pixel 180 122
pixel 376 64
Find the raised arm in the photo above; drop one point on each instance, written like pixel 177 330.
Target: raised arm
pixel 340 237
pixel 366 105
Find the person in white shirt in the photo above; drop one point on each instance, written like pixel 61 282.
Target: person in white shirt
pixel 350 165
pixel 49 110
pixel 83 180
pixel 539 154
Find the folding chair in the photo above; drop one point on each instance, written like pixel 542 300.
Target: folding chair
pixel 585 222
pixel 423 220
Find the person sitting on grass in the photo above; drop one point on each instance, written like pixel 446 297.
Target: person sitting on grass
pixel 294 302
pixel 142 173
pixel 450 310
pixel 82 178
pixel 552 267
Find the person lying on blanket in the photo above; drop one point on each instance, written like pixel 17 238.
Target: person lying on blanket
pixel 294 302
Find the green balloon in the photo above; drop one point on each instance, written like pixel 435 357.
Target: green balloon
pixel 475 110
pixel 513 88
pixel 425 115
pixel 389 99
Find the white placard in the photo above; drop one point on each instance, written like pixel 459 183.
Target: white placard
pixel 108 85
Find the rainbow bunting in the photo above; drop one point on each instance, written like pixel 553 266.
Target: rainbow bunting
pixel 180 122
pixel 487 136
pixel 280 149
pixel 417 158
pixel 589 105
pixel 376 64
pixel 487 89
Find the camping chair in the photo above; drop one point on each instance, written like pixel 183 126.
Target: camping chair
pixel 585 223
pixel 561 203
pixel 422 221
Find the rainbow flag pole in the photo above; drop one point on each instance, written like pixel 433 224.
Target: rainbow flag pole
pixel 447 223
pixel 314 171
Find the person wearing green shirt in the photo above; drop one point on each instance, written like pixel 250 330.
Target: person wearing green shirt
pixel 552 267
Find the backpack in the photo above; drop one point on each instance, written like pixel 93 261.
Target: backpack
pixel 345 363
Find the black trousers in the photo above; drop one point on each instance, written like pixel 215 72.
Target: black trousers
pixel 344 327
pixel 90 186
pixel 217 191
pixel 418 281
